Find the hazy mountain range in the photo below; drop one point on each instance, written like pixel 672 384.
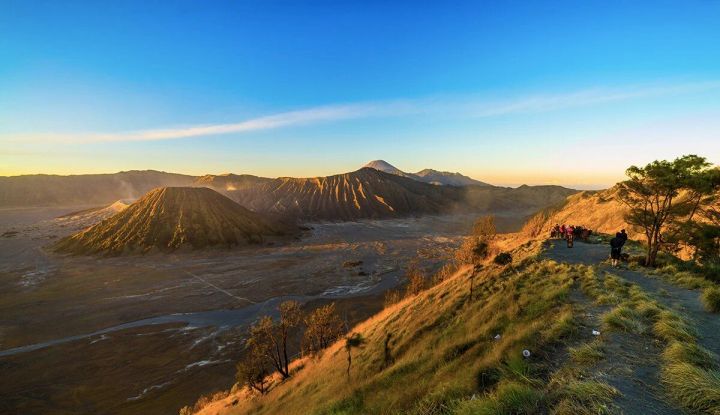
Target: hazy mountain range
pixel 375 192
pixel 427 175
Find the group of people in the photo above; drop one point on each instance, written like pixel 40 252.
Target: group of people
pixel 616 245
pixel 569 233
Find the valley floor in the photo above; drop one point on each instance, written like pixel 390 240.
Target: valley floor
pixel 148 334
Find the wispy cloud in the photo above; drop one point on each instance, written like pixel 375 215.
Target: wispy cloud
pixel 466 107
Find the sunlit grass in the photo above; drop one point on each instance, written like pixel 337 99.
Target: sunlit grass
pixel 711 299
pixel 693 387
pixel 588 353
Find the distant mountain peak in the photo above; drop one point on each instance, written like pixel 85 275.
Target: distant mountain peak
pixel 383 165
pixel 432 176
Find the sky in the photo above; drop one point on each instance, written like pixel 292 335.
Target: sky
pixel 507 92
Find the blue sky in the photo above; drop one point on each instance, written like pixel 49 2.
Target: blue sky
pixel 507 92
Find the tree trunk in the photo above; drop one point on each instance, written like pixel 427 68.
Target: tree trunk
pixel 349 363
pixel 285 355
pixel 472 280
pixel 652 250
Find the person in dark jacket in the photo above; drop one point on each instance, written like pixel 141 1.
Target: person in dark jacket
pixel 616 245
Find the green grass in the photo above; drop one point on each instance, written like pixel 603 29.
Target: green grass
pixel 693 387
pixel 689 372
pixel 579 397
pixel 588 353
pixel 624 318
pixel 711 299
pixel 691 353
pixel 510 398
pixel 669 326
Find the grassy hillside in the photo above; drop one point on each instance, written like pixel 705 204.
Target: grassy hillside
pixel 452 354
pixel 444 354
pixel 600 211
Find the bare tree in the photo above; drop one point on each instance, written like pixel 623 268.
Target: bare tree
pixel 352 341
pixel 388 359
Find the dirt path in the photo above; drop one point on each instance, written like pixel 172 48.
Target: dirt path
pixel 635 366
pixel 681 299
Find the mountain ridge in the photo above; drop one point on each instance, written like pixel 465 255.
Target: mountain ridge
pixel 432 176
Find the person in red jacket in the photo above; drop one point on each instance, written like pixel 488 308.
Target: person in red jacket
pixel 570 236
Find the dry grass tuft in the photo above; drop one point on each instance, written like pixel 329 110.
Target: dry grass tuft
pixel 693 387
pixel 711 299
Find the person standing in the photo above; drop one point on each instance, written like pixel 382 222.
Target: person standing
pixel 624 236
pixel 616 245
pixel 570 236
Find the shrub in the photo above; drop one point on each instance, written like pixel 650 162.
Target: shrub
pixel 446 271
pixel 472 250
pixel 503 258
pixel 711 271
pixel 392 297
pixel 711 299
pixel 416 281
pixel 484 227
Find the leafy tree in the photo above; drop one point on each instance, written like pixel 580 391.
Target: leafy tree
pixel 323 327
pixel 471 251
pixel 270 339
pixel 252 371
pixel 705 239
pixel 664 194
